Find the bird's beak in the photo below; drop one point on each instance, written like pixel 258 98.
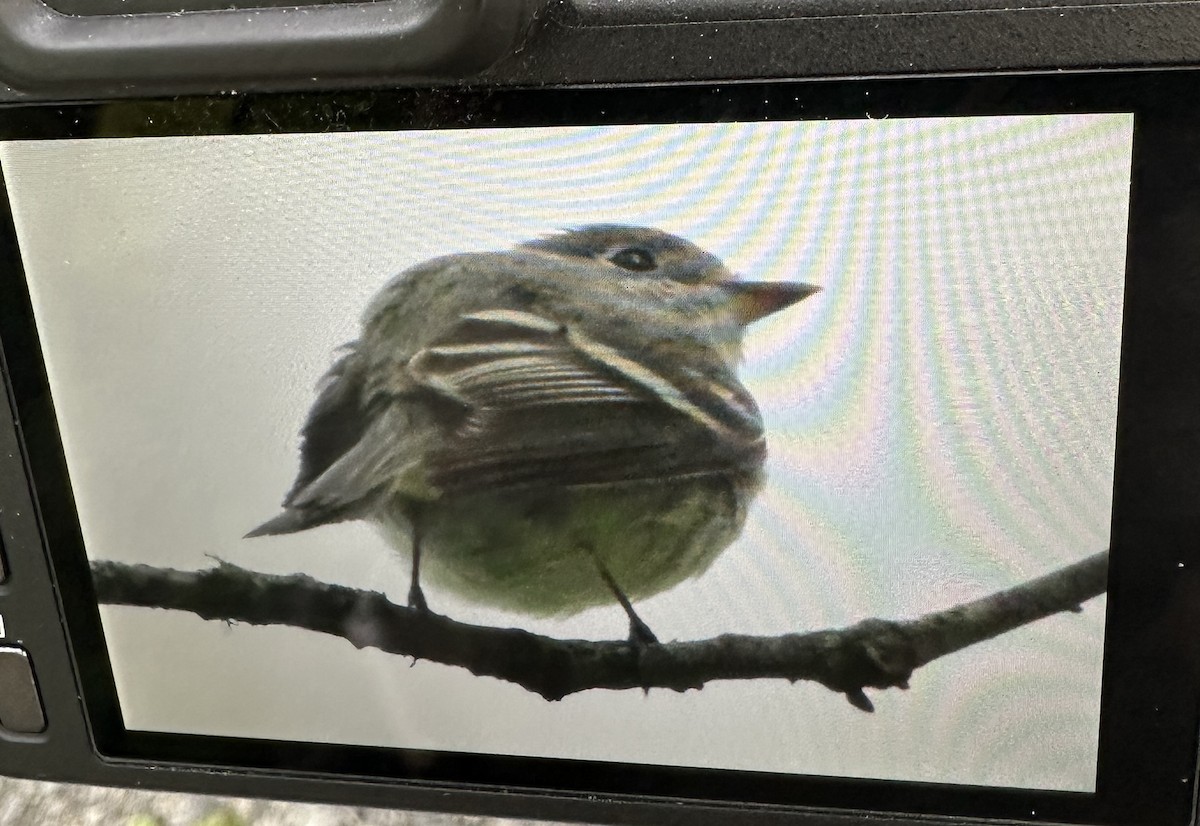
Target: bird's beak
pixel 752 300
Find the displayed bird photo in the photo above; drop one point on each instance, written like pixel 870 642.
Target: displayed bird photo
pixel 781 447
pixel 558 426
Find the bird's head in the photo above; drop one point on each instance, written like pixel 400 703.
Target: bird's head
pixel 646 253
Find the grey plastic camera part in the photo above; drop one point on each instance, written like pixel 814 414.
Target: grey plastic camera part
pixel 48 53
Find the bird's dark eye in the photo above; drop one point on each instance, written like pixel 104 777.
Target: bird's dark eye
pixel 633 258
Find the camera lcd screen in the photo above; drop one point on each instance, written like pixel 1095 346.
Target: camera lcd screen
pixel 758 448
pixel 939 419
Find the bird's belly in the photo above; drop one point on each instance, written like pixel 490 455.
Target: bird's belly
pixel 536 551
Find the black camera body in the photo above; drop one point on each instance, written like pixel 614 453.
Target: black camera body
pixel 982 424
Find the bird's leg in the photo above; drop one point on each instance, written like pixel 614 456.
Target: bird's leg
pixel 639 632
pixel 416 598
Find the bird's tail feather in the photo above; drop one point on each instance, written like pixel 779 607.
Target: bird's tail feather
pixel 290 521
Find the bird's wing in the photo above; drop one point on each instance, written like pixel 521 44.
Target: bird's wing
pixel 510 398
pixel 335 423
pixel 346 455
pixel 545 404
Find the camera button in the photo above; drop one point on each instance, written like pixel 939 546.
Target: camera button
pixel 20 706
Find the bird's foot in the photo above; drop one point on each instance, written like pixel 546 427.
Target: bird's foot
pixel 640 634
pixel 642 642
pixel 416 599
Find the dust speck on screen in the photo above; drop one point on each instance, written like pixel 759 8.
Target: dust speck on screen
pixel 627 388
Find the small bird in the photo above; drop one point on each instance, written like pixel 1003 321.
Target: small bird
pixel 548 428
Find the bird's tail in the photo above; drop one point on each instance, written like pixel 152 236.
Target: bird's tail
pixel 290 521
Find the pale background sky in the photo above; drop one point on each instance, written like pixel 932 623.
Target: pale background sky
pixel 940 419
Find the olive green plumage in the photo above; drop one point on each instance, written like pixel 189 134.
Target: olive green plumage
pixel 531 550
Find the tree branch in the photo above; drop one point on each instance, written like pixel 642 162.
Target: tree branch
pixel 873 653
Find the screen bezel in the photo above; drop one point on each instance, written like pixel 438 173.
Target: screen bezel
pixel 1149 716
